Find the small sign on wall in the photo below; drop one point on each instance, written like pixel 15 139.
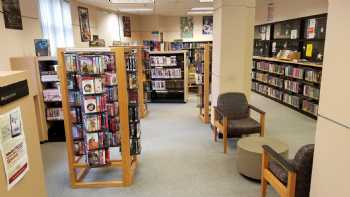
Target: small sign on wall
pixel 270 11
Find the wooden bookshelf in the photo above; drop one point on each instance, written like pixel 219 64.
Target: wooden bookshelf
pixel 294 83
pixel 126 159
pixel 287 89
pixel 204 107
pixel 271 59
pixel 170 95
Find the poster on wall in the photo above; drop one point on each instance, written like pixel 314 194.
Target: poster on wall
pixel 13 147
pixel 42 47
pixel 12 14
pixel 127 26
pixel 186 24
pixel 84 24
pixel 207 25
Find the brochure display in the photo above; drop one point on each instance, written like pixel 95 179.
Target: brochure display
pixel 21 167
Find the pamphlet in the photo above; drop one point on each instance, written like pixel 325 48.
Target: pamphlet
pixel 13 147
pixel 309 49
pixel 311 29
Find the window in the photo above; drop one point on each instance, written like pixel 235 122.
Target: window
pixel 56 23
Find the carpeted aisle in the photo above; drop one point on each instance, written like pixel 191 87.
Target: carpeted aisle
pixel 179 157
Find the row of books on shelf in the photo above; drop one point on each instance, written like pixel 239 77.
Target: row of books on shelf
pixel 89 64
pixel 187 45
pixel 92 84
pixel 160 61
pixel 166 85
pixel 288 70
pixel 52 95
pixel 166 73
pixel 49 78
pixel 293 100
pixel 55 113
pixel 292 86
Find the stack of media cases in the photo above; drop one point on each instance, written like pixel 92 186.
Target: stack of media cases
pixel 134 119
pixel 94 107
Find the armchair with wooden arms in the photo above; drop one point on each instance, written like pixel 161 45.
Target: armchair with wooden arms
pixel 290 178
pixel 232 118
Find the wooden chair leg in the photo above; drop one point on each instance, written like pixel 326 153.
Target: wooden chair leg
pixel 262 125
pixel 225 124
pixel 263 187
pixel 215 132
pixel 264 165
pixel 291 184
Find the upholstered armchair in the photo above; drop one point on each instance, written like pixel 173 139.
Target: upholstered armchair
pixel 232 118
pixel 290 178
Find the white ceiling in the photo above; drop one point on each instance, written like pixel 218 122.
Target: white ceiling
pixel 162 7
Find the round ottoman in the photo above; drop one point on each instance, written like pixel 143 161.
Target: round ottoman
pixel 249 151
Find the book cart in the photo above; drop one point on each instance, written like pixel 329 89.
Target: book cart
pixel 100 105
pixel 169 77
pixel 205 86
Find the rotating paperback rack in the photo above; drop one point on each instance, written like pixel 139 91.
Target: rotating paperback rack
pixel 101 116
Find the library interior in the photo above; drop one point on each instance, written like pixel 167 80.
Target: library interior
pixel 149 98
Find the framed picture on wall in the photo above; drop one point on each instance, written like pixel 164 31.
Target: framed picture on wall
pixel 12 14
pixel 84 24
pixel 207 25
pixel 186 25
pixel 127 26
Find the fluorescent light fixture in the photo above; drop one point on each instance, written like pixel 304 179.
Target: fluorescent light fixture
pixel 206 1
pixel 203 9
pixel 135 9
pixel 200 13
pixel 132 1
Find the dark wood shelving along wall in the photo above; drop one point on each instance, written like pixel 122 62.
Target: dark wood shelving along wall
pixel 294 83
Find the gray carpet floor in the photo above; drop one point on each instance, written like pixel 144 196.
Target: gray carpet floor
pixel 179 157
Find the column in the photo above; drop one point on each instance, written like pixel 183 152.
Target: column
pixel 330 175
pixel 232 47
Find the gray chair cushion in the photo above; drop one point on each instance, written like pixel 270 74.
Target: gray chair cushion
pixel 280 173
pixel 237 128
pixel 234 105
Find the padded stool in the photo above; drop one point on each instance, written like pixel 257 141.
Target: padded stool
pixel 249 152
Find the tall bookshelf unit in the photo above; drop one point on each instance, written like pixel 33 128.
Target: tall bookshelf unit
pixel 169 77
pixel 100 105
pixel 294 83
pixel 52 97
pixel 205 86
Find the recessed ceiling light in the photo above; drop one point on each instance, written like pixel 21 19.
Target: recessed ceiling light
pixel 131 1
pixel 203 9
pixel 206 1
pixel 135 9
pixel 200 13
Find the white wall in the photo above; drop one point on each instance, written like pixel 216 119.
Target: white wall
pixel 289 9
pixel 19 42
pixel 170 26
pixel 331 161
